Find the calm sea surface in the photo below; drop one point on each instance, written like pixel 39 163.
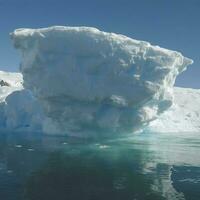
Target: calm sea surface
pixel 141 167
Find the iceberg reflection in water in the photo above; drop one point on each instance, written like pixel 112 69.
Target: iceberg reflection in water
pixel 143 166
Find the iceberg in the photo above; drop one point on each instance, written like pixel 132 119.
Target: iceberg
pixel 87 80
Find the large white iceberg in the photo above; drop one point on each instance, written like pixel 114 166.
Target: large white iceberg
pixel 86 79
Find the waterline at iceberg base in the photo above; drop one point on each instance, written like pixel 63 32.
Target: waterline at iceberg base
pixel 87 81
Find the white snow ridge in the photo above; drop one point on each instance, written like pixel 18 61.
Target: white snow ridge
pixel 91 81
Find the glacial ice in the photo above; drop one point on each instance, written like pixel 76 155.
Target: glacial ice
pixel 93 81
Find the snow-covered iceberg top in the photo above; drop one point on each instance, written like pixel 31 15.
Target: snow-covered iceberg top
pixel 87 79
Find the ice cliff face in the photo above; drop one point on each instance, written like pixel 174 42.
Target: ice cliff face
pixel 86 79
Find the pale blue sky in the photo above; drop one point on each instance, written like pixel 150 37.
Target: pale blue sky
pixel 173 24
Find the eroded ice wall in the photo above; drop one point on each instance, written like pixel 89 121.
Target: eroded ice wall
pixel 91 80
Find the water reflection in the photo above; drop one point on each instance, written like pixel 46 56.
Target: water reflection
pixel 87 175
pixel 156 166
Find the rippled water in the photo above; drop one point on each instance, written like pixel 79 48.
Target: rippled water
pixel 141 167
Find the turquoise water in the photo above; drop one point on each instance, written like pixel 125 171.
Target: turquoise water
pixel 141 167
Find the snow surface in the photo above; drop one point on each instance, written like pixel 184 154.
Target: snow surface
pixel 86 79
pixel 15 83
pixel 183 116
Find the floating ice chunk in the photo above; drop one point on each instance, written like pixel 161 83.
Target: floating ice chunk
pixel 87 79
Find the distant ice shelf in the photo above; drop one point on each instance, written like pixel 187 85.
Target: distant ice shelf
pixel 19 110
pixel 183 116
pixel 9 82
